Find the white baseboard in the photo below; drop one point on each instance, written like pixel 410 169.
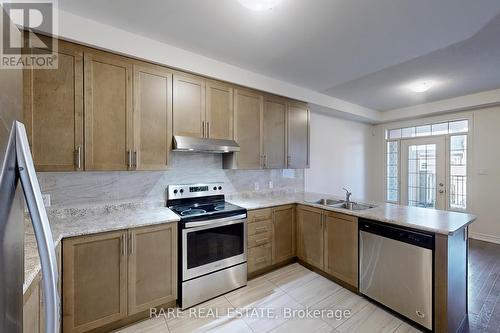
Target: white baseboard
pixel 484 237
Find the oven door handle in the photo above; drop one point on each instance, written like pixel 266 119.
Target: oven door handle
pixel 199 225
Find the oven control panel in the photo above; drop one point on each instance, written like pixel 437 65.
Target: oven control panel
pixel 194 190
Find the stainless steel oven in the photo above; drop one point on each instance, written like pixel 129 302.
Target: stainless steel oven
pixel 212 242
pixel 208 246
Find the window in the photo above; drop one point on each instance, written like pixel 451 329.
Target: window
pixel 392 171
pixel 458 172
pixel 443 128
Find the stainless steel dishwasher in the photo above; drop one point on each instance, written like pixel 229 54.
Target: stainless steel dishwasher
pixel 396 269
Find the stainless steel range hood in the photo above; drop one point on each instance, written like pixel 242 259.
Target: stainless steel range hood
pixel 188 143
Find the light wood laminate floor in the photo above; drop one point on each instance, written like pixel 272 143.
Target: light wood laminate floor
pixel 295 287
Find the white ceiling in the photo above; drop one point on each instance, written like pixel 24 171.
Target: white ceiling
pixel 356 50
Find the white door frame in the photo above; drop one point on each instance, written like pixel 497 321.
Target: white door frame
pixel 441 167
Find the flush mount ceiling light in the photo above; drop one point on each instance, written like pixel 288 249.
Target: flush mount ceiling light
pixel 421 86
pixel 259 5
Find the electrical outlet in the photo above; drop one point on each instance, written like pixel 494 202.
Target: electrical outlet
pixel 46 199
pixel 270 184
pixel 256 186
pixel 288 173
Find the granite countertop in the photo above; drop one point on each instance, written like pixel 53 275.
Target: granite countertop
pixel 86 220
pixel 80 221
pixel 436 221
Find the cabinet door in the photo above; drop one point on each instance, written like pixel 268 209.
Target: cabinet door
pixel 152 266
pixel 220 106
pixel 94 281
pixel 310 235
pixel 108 112
pixel 298 136
pixel 31 309
pixel 152 117
pixel 274 133
pixel 248 129
pixel 53 112
pixel 341 247
pixel 189 105
pixel 284 233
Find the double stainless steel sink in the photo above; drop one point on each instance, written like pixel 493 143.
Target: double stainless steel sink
pixel 343 204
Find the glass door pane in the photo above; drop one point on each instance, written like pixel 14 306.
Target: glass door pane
pixel 422 176
pixel 423 173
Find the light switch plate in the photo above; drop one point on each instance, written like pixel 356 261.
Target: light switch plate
pixel 256 186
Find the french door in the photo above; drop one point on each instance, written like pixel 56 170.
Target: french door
pixel 423 176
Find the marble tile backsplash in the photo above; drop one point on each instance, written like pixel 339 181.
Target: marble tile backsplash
pixel 76 188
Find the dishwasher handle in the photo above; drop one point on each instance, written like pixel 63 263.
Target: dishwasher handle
pixel 413 237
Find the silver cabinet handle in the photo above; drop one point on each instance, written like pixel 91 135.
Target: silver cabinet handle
pixel 41 226
pixel 135 159
pixel 78 157
pixel 130 244
pixel 129 159
pixel 259 241
pixel 122 245
pixel 208 129
pixel 203 128
pixel 261 259
pixel 260 229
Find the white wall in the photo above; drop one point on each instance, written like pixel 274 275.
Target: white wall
pixel 484 168
pixel 340 156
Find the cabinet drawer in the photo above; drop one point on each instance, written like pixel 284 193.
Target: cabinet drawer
pixel 260 227
pixel 259 215
pixel 260 239
pixel 259 257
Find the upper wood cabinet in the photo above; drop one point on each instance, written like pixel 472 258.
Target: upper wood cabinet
pixel 219 113
pixel 152 267
pixel 108 112
pixel 298 136
pixel 283 233
pixel 53 112
pixel 274 140
pixel 248 114
pixel 189 105
pixel 94 281
pixel 152 117
pixel 310 235
pixel 341 247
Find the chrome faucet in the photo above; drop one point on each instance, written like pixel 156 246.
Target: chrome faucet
pixel 347 195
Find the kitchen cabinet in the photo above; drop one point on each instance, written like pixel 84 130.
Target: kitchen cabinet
pixel 341 247
pixel 274 132
pixel 298 136
pixel 108 111
pixel 94 281
pixel 260 228
pixel 111 276
pixel 188 105
pixel 219 113
pixel 248 114
pixel 152 267
pixel 53 111
pixel 310 225
pixel 152 117
pixel 31 309
pixel 283 233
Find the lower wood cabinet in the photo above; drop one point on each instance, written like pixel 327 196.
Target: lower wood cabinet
pixel 94 281
pixel 283 233
pixel 310 226
pixel 31 309
pixel 152 267
pixel 107 277
pixel 341 247
pixel 271 236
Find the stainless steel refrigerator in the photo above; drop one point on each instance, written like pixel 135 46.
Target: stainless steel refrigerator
pixel 19 188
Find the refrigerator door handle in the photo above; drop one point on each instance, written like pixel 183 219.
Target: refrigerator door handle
pixel 42 229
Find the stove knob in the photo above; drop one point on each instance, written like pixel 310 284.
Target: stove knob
pixel 181 190
pixel 175 191
pixel 220 187
pixel 215 188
